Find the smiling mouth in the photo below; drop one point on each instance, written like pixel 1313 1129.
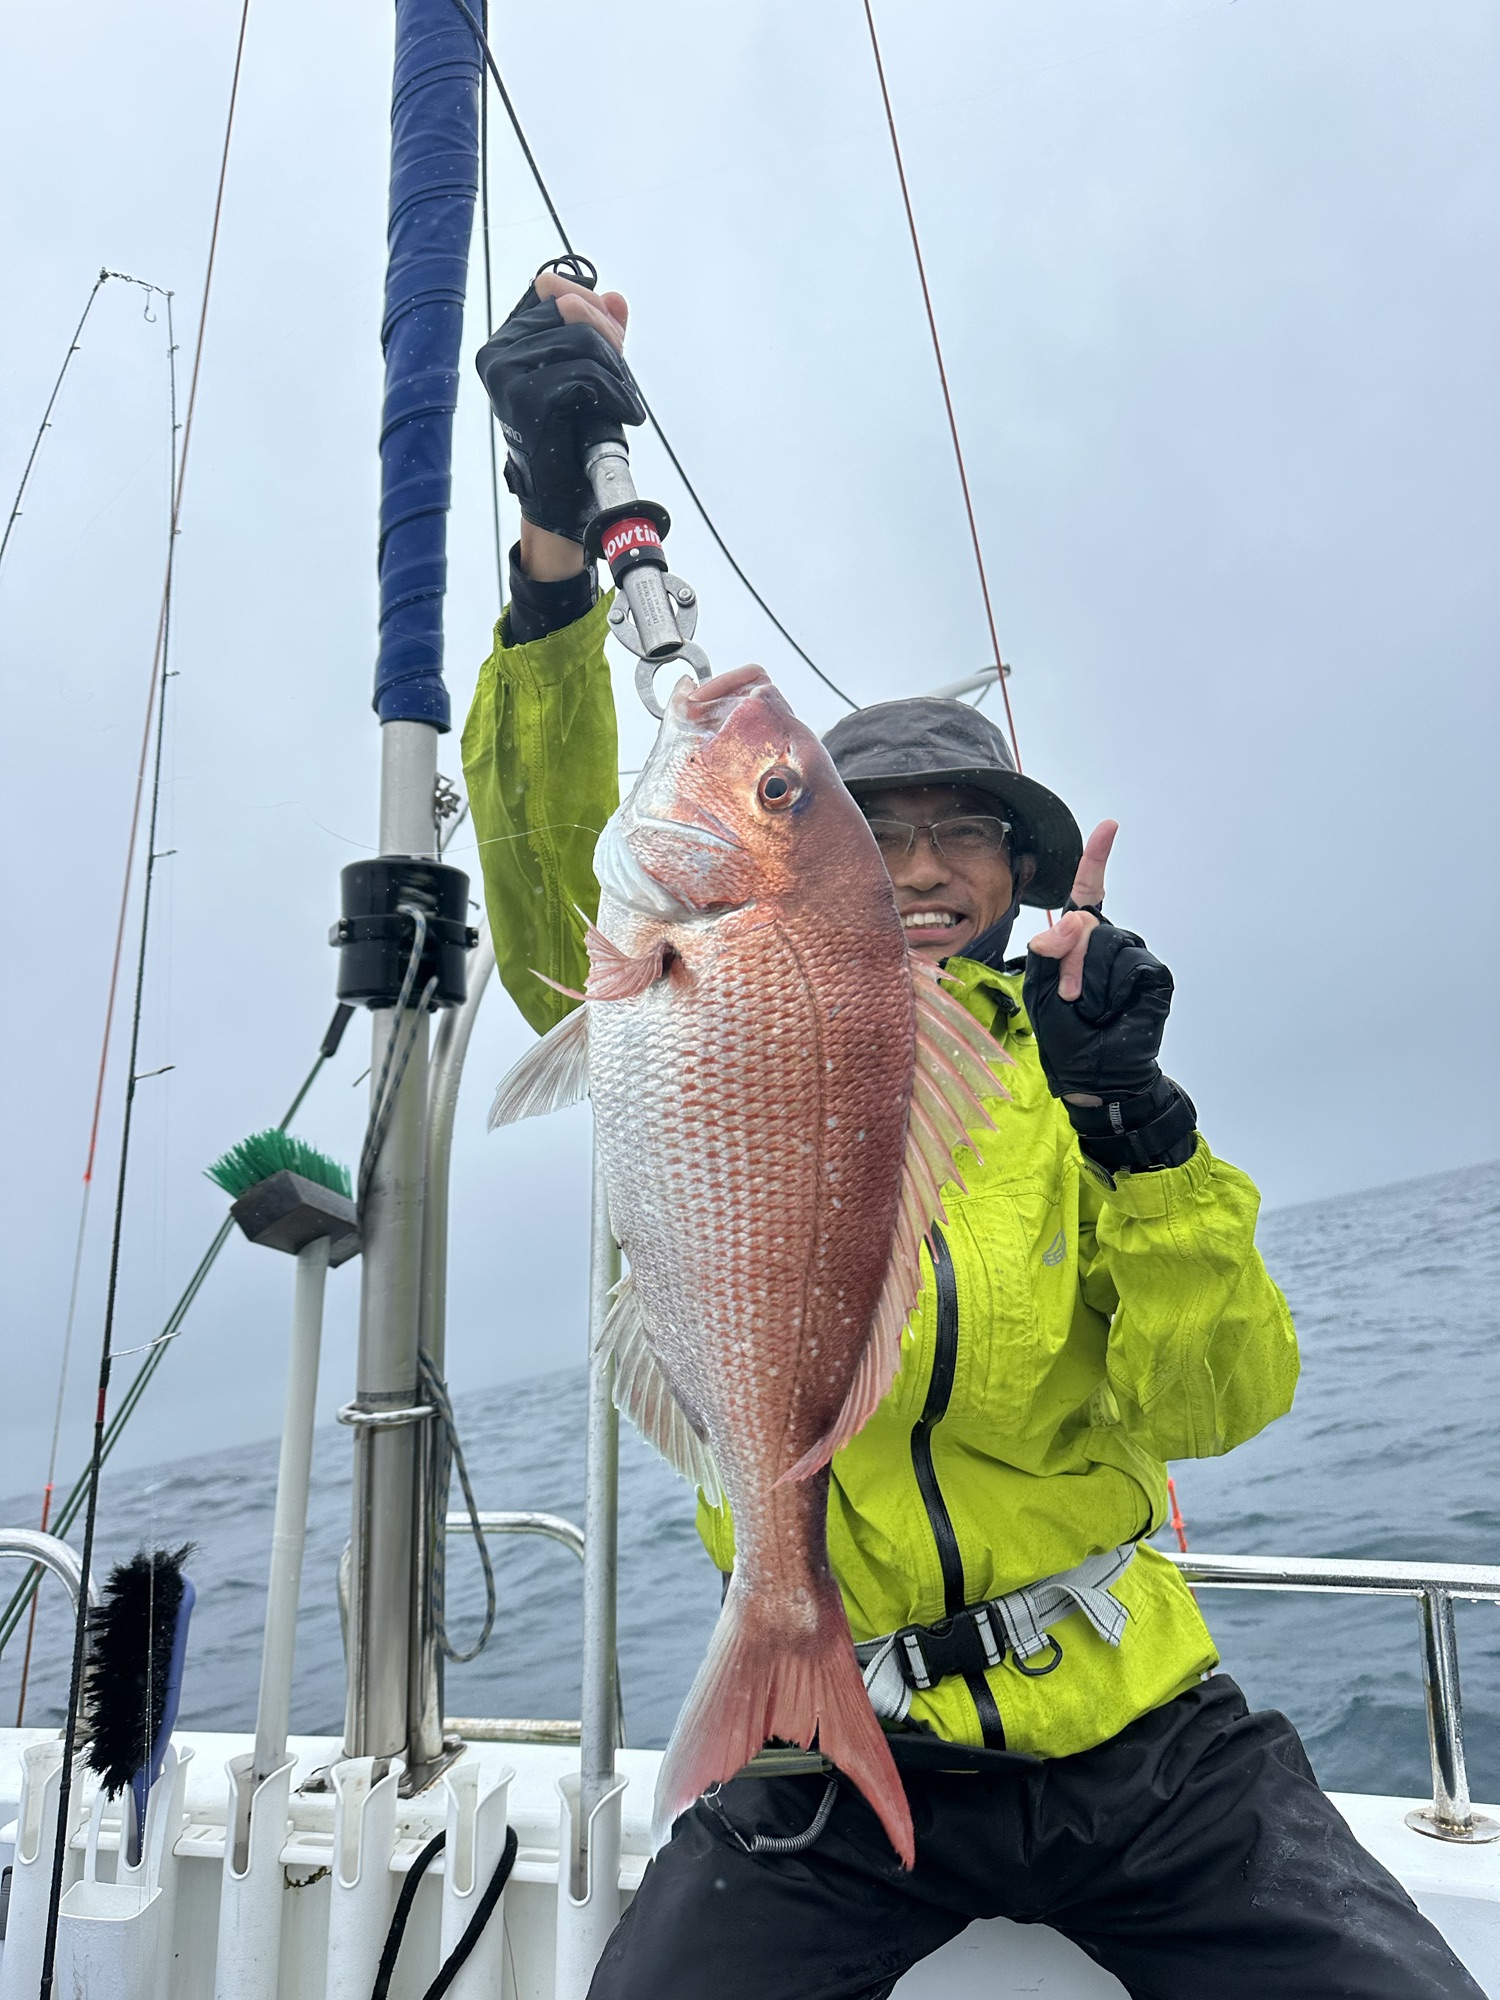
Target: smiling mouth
pixel 932 920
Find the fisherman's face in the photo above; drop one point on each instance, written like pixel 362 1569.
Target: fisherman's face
pixel 946 897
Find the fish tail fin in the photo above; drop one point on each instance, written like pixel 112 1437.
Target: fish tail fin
pixel 753 1687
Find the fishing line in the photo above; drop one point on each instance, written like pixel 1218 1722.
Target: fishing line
pixel 662 438
pixel 155 711
pixel 937 349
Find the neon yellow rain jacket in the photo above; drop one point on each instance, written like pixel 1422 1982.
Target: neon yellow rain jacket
pixel 1078 1332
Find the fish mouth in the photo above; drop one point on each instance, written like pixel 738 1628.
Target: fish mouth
pixel 696 713
pixel 716 835
pixel 705 706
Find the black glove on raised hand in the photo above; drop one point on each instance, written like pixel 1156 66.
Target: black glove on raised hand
pixel 555 386
pixel 1104 1044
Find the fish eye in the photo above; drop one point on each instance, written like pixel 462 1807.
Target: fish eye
pixel 778 788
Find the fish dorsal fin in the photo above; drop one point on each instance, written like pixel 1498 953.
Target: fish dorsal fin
pixel 550 1076
pixel 954 1075
pixel 645 1395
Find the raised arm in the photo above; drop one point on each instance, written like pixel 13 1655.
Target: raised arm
pixel 539 746
pixel 1202 1353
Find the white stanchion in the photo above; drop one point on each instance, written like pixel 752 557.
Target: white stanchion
pixel 31 1870
pixel 252 1890
pixel 471 1854
pixel 114 1939
pixel 588 1884
pixel 364 1889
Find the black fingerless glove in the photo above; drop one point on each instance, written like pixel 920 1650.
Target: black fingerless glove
pixel 1104 1044
pixel 555 388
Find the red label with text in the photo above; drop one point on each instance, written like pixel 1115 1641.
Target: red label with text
pixel 632 534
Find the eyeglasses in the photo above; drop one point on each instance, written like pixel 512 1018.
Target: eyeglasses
pixel 973 837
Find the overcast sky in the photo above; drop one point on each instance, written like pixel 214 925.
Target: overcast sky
pixel 1218 285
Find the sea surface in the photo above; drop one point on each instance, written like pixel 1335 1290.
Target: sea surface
pixel 1390 1451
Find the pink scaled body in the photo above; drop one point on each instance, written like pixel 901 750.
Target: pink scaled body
pixel 777 1090
pixel 752 1107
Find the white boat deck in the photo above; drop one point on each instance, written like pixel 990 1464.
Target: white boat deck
pixel 1457 1886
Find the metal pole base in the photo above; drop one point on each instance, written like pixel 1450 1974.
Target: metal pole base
pixel 420 1776
pixel 1478 1830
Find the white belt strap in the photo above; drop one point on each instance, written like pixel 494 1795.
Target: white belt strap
pixel 901 1663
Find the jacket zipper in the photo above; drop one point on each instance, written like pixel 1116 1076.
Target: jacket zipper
pixel 939 1395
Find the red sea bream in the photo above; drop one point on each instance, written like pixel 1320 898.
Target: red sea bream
pixel 778 1088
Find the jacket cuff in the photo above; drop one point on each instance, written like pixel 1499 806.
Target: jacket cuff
pixel 1153 1195
pixel 559 656
pixel 536 610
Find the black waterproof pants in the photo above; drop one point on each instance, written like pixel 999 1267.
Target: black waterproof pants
pixel 1193 1856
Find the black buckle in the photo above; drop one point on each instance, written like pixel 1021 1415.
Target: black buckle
pixel 966 1643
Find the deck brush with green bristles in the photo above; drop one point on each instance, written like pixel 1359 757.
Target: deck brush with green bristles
pixel 262 1154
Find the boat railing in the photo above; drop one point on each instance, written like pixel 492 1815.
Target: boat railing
pixel 46 1552
pixel 1435 1586
pixel 526 1729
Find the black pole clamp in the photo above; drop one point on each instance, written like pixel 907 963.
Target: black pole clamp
pixel 374 935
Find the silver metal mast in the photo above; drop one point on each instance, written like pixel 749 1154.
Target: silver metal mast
pixel 386 1404
pixel 600 1706
pixel 427 1748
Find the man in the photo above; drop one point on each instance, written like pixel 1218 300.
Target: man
pixel 1093 1307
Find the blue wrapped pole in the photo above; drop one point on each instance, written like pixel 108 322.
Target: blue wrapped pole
pixel 434 184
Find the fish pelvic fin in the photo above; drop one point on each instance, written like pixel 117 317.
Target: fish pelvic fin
pixel 549 1077
pixel 569 992
pixel 953 1077
pixel 753 1686
pixel 647 1397
pixel 615 975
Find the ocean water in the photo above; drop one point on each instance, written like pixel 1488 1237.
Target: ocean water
pixel 1390 1451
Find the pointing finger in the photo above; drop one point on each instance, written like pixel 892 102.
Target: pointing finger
pixel 1088 883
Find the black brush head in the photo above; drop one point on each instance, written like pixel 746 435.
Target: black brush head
pixel 131 1630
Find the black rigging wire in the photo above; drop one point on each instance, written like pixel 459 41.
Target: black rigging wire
pixel 692 492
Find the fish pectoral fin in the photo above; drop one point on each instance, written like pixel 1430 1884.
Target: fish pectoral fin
pixel 644 1393
pixel 953 1077
pixel 615 975
pixel 549 1077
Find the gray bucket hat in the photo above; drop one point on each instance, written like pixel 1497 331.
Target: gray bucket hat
pixel 930 741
